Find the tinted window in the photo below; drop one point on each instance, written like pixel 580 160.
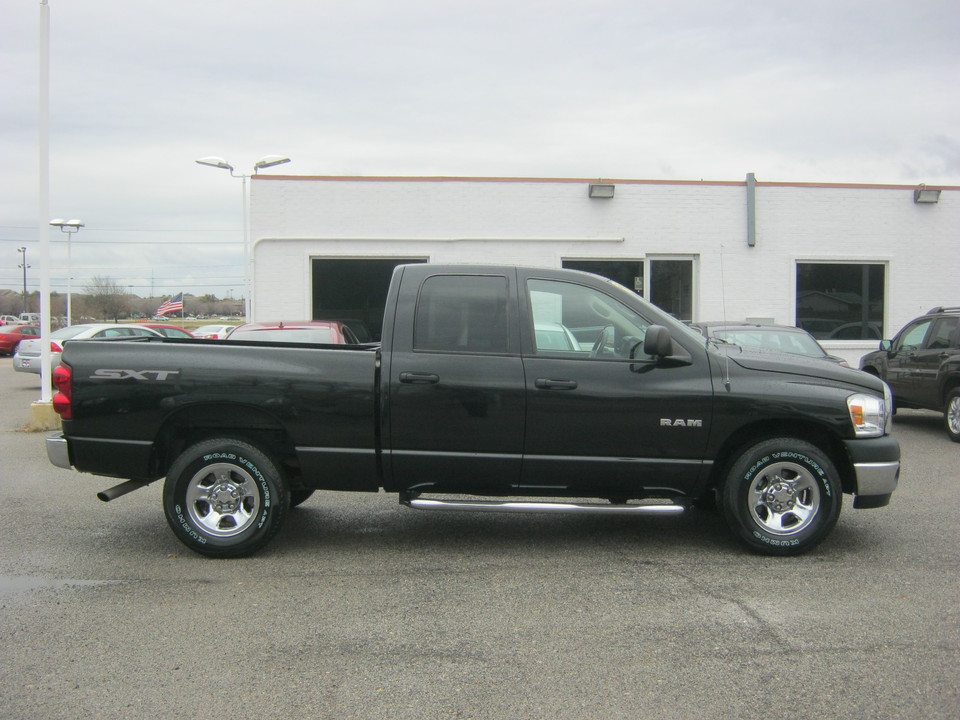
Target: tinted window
pixel 943 329
pixel 460 313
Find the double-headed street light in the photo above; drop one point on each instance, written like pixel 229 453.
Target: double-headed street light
pixel 264 162
pixel 69 227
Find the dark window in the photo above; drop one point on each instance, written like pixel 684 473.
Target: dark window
pixel 353 291
pixel 942 332
pixel 671 287
pixel 841 301
pixel 458 313
pixel 628 273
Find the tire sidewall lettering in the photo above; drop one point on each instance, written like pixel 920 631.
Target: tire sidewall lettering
pixel 737 495
pixel 790 455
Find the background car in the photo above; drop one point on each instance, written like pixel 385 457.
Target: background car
pixel 329 332
pixel 922 365
pixel 173 331
pixel 781 338
pixel 27 356
pixel 213 332
pixel 554 336
pixel 11 335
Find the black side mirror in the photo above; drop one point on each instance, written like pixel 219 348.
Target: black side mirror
pixel 657 342
pixel 886 345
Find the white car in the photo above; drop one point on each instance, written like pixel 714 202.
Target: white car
pixel 27 356
pixel 212 332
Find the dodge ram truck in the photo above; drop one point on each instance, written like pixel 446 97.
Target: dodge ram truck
pixel 505 389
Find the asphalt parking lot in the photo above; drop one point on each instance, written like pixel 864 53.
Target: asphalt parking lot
pixel 363 609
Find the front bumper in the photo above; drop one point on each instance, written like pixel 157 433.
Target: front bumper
pixel 876 467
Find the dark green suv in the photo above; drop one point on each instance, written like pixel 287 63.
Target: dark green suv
pixel 922 365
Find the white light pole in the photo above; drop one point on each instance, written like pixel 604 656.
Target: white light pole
pixel 264 162
pixel 69 227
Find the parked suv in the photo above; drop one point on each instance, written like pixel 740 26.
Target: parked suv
pixel 922 365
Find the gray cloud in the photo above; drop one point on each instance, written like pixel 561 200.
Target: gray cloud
pixel 816 91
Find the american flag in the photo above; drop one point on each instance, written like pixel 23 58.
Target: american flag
pixel 174 304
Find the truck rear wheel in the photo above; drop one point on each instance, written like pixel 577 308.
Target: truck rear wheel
pixel 225 498
pixel 781 496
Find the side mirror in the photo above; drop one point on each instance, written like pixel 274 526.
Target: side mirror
pixel 657 342
pixel 886 345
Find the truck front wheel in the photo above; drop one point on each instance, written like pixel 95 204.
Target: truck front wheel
pixel 225 498
pixel 781 496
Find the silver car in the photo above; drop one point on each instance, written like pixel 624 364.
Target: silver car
pixel 27 356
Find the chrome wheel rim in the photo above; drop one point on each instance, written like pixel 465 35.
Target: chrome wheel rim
pixel 953 415
pixel 222 499
pixel 784 498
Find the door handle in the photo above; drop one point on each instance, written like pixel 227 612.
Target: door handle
pixel 549 384
pixel 417 378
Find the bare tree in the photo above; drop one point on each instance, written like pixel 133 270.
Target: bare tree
pixel 106 297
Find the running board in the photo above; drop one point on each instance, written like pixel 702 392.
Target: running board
pixel 541 507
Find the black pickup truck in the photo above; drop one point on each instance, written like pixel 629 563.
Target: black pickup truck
pixel 495 389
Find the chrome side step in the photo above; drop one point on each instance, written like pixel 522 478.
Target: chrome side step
pixel 541 507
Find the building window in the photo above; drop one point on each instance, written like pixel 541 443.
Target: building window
pixel 841 301
pixel 667 283
pixel 671 287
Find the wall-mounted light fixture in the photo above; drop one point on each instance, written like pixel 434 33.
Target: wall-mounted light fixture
pixel 923 194
pixel 601 191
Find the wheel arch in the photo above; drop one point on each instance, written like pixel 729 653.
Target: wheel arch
pixel 762 430
pixel 191 425
pixel 950 383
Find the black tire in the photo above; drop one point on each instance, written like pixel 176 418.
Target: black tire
pixel 781 496
pixel 225 498
pixel 951 414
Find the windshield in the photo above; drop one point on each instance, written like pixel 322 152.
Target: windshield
pixel 69 332
pixel 772 339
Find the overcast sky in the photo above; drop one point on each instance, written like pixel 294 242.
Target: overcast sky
pixel 832 91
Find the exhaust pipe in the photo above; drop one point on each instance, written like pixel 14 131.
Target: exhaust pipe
pixel 121 489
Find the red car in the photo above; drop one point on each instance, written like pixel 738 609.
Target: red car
pixel 174 331
pixel 328 332
pixel 11 335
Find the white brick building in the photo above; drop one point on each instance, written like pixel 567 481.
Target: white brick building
pixel 849 262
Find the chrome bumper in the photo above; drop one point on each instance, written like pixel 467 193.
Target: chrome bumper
pixel 58 452
pixel 877 478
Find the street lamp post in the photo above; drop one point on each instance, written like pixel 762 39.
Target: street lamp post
pixel 23 264
pixel 69 227
pixel 264 162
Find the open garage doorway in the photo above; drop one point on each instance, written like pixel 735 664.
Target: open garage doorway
pixel 353 290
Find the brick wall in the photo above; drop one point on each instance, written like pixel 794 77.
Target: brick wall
pixel 541 222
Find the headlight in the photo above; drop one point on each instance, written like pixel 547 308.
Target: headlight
pixel 869 414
